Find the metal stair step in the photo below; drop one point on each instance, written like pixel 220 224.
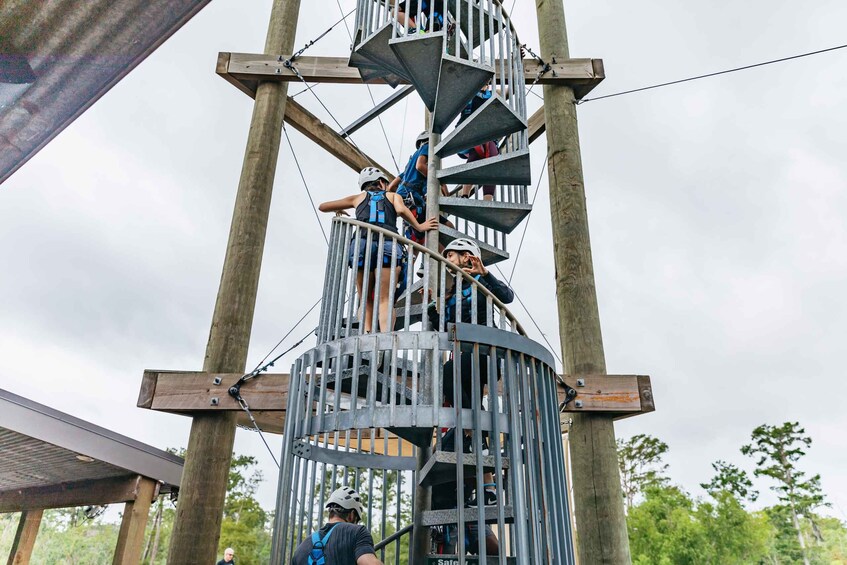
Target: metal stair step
pixel 508 168
pixel 422 437
pixel 441 467
pixel 451 516
pixel 458 81
pixel 453 7
pixel 413 292
pixel 490 254
pixel 501 216
pixel 376 50
pixel 383 385
pixel 416 313
pixel 420 55
pixel 493 120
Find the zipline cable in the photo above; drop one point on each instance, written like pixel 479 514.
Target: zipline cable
pixel 528 217
pixel 370 94
pixel 698 77
pixel 305 184
pixel 525 309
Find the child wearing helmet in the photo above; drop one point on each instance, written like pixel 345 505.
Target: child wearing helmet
pixel 411 185
pixel 375 206
pixel 341 539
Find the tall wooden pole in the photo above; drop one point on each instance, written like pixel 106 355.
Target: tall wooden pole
pixel 203 489
pixel 131 535
pixel 600 519
pixel 25 537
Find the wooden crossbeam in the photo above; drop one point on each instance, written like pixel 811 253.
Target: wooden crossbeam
pixel 183 392
pixel 267 395
pixel 245 70
pixel 620 395
pixel 309 125
pixel 536 125
pixel 79 493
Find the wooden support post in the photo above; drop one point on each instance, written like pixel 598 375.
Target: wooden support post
pixel 204 480
pixel 25 537
pixel 601 523
pixel 134 521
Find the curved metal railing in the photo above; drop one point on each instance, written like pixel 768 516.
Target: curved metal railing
pixel 344 306
pixel 354 421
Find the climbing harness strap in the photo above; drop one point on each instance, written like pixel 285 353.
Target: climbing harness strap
pixel 316 555
pixel 467 294
pixel 377 207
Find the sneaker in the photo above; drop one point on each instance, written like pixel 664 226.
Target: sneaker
pixel 489 497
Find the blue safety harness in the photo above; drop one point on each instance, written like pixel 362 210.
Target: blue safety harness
pixel 467 297
pixel 377 207
pixel 316 556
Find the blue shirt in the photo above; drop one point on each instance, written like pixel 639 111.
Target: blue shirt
pixel 411 180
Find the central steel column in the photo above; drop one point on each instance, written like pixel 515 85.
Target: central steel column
pixel 421 541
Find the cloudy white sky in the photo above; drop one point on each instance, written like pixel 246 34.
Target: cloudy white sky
pixel 716 207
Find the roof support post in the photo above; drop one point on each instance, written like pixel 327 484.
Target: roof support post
pixel 25 537
pixel 600 519
pixel 203 489
pixel 134 521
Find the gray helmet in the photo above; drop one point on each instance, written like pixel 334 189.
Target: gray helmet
pixel 463 244
pixel 346 498
pixel 371 174
pixel 422 138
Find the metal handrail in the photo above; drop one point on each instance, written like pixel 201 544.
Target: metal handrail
pixel 393 537
pixel 341 296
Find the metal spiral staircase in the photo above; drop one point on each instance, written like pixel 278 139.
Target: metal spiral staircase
pixel 371 408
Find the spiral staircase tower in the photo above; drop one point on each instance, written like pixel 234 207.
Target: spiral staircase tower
pixel 367 408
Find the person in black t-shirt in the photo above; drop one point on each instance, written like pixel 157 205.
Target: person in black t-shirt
pixel 341 541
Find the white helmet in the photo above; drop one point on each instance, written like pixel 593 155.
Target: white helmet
pixel 463 244
pixel 422 138
pixel 346 498
pixel 371 174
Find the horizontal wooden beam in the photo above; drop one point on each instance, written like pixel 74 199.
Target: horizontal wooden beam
pixel 536 124
pixel 245 70
pixel 80 493
pixel 620 395
pixel 187 392
pixel 182 392
pixel 309 125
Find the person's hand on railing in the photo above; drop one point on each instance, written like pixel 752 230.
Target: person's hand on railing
pixel 341 213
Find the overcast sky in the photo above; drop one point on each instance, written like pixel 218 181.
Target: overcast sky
pixel 716 210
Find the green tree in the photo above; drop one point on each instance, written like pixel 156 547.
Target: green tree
pixel 641 465
pixel 731 479
pixel 664 530
pixel 244 525
pixel 735 536
pixel 778 449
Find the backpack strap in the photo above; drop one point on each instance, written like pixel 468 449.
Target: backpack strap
pixel 316 555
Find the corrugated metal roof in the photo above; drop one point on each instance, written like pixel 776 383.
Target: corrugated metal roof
pixel 76 51
pixel 39 447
